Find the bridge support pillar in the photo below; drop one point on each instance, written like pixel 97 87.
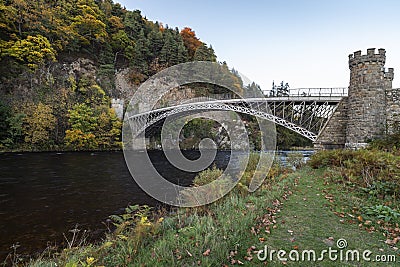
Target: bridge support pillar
pixel 333 134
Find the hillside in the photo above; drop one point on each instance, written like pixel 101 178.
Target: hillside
pixel 62 61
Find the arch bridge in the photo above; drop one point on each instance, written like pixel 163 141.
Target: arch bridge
pixel 303 110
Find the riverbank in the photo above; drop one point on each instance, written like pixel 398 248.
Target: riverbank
pixel 310 209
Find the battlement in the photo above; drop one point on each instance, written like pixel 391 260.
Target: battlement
pixel 389 75
pixel 357 58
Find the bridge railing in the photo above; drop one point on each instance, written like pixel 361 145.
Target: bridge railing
pixel 306 93
pixel 311 92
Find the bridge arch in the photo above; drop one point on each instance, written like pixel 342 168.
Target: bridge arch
pixel 140 122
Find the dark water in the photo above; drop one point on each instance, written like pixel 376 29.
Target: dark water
pixel 43 195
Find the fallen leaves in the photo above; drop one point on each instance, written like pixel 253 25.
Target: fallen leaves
pixel 207 252
pixel 329 197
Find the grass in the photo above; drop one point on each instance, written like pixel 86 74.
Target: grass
pixel 317 215
pixel 302 210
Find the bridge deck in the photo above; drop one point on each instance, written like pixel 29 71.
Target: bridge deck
pixel 295 99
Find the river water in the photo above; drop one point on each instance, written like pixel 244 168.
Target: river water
pixel 43 195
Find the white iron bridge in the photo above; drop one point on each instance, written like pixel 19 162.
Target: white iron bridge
pixel 303 110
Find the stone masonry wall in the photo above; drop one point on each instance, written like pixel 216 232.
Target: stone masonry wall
pixel 333 135
pixel 393 110
pixel 372 109
pixel 367 100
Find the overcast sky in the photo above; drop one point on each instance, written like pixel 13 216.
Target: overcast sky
pixel 305 43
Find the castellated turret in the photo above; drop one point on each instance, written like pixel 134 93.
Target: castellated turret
pixel 367 96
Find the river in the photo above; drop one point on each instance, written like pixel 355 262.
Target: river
pixel 43 195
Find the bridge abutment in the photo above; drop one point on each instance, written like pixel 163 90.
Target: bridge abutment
pixel 333 135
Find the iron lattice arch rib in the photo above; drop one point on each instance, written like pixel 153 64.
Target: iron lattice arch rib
pixel 303 115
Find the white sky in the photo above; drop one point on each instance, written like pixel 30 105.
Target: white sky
pixel 305 43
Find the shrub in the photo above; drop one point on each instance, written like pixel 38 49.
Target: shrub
pixel 383 212
pixel 365 168
pixel 295 160
pixel 389 143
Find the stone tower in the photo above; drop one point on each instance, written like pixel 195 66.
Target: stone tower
pixel 367 97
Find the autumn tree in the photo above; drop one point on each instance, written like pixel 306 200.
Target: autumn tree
pixel 39 122
pixel 38 41
pixel 190 41
pixel 82 125
pixel 32 51
pixel 109 129
pixel 87 24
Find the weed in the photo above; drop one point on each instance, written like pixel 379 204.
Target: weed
pixel 383 212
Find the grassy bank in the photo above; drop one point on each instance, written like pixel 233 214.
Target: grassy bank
pixel 339 195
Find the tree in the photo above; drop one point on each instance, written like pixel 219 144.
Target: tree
pixel 32 51
pixel 109 129
pixel 155 42
pixel 190 40
pixel 89 29
pixel 93 129
pixel 134 23
pixel 7 17
pixel 82 125
pixel 39 122
pixel 141 53
pixel 119 42
pixel 182 54
pixel 204 53
pixel 168 52
pixel 4 115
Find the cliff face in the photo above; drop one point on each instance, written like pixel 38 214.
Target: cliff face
pixel 61 105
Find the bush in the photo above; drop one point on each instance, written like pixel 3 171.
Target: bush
pixel 218 183
pixel 295 160
pixel 389 143
pixel 365 168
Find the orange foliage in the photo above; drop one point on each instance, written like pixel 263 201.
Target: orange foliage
pixel 190 40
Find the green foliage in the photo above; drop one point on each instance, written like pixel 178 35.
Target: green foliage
pixel 109 130
pixel 204 53
pixel 82 123
pixel 87 24
pixel 366 168
pixel 207 176
pixel 15 130
pixel 93 129
pixel 74 108
pixel 381 189
pixel 81 117
pixel 286 139
pixel 33 51
pixel 383 212
pixel 4 115
pixel 199 128
pixel 217 184
pixel 39 122
pixel 389 143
